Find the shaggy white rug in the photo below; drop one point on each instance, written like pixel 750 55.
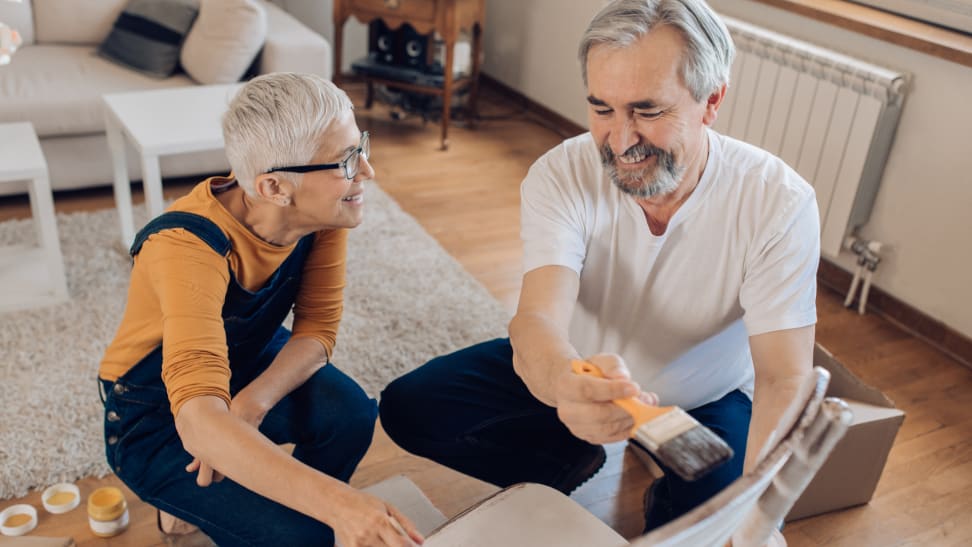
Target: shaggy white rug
pixel 407 300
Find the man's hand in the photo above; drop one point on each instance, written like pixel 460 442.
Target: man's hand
pixel 362 520
pixel 584 403
pixel 776 539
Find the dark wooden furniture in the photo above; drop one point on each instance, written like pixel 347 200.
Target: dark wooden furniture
pixel 447 17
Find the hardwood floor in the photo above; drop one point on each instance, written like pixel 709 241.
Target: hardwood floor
pixel 467 198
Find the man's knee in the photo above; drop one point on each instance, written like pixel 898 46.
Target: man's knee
pixel 397 402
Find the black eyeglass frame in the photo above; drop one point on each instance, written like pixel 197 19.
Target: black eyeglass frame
pixel 362 151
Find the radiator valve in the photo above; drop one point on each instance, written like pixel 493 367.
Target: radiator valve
pixel 868 258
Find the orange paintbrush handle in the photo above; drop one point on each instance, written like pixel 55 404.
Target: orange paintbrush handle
pixel 641 412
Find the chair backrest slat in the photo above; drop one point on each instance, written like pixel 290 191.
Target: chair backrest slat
pixel 750 508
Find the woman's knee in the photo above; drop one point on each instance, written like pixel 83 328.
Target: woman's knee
pixel 335 408
pixel 359 426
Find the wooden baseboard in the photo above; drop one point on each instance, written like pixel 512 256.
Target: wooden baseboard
pixel 562 125
pixel 903 315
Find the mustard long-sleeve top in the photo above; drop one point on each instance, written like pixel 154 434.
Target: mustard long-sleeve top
pixel 178 284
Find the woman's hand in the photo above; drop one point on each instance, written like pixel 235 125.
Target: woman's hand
pixel 363 520
pixel 248 408
pixel 207 475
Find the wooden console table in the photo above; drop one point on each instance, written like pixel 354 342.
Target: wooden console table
pixel 447 17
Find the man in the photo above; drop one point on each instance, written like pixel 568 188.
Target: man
pixel 678 260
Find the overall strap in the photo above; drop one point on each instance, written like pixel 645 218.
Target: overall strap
pixel 200 226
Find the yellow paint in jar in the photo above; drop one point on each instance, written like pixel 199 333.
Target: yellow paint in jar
pixel 107 512
pixel 61 498
pixel 16 520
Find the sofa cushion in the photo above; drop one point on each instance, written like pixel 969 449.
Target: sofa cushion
pixel 17 16
pixel 292 47
pixel 74 21
pixel 148 34
pixel 224 40
pixel 58 88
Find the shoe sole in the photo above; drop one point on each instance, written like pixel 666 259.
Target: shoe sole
pixel 592 469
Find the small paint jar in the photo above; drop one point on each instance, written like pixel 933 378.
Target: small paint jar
pixel 17 520
pixel 61 498
pixel 107 512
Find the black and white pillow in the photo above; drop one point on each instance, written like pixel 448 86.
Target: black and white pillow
pixel 148 34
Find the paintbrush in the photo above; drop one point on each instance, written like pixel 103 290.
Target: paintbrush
pixel 678 441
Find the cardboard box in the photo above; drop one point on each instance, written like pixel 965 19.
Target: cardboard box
pixel 851 473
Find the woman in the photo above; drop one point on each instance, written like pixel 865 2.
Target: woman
pixel 202 380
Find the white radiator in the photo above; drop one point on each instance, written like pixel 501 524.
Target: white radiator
pixel 829 116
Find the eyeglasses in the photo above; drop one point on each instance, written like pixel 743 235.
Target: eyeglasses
pixel 350 164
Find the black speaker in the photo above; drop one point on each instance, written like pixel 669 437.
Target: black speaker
pixel 383 43
pixel 403 47
pixel 414 48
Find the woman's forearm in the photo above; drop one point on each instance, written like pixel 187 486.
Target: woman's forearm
pixel 294 364
pixel 237 450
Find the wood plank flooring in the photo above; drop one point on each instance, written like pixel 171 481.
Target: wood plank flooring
pixel 468 199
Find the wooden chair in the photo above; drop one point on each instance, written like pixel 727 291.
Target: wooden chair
pixel 750 508
pixel 747 511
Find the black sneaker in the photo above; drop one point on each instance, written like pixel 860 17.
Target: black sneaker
pixel 579 474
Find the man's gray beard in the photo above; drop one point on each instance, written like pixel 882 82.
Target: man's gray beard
pixel 657 180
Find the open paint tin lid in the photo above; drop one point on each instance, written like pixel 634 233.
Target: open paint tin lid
pixel 17 520
pixel 61 498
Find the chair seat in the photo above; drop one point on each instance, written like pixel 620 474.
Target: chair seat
pixel 526 515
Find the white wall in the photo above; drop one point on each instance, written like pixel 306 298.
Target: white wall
pixel 923 211
pixel 531 46
pixel 319 15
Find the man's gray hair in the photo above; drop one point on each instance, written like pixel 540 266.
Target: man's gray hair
pixel 709 48
pixel 278 120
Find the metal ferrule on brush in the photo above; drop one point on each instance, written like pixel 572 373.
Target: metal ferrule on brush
pixel 663 428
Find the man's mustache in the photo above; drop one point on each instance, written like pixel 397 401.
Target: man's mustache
pixel 666 159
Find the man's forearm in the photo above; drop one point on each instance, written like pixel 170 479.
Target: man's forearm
pixel 770 401
pixel 782 361
pixel 540 355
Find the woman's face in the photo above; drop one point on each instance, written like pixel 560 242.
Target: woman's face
pixel 327 199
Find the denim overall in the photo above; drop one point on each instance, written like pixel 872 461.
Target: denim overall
pixel 329 419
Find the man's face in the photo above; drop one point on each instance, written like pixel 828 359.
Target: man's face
pixel 644 120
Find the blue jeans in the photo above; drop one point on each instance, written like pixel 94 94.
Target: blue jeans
pixel 471 412
pixel 329 419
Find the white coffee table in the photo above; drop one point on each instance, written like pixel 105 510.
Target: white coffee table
pixel 157 123
pixel 30 276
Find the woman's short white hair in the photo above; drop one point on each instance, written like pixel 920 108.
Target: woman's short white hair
pixel 279 119
pixel 709 49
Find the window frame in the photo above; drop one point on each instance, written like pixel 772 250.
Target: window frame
pixel 940 42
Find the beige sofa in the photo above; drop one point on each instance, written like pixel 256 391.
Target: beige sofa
pixel 56 81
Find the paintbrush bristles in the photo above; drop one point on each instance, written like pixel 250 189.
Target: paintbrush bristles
pixel 684 445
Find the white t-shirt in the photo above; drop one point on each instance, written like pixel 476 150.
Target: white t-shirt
pixel 739 258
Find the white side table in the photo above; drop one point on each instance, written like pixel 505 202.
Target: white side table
pixel 157 123
pixel 30 276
